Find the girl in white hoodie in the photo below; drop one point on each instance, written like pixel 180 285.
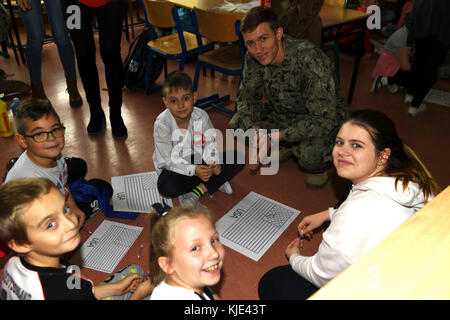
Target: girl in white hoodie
pixel 388 186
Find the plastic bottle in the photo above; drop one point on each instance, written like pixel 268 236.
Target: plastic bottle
pixel 15 104
pixel 133 66
pixel 6 129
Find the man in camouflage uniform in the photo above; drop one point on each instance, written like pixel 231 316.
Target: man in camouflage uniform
pixel 290 85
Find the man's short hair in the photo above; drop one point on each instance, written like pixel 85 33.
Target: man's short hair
pixel 177 80
pixel 33 109
pixel 258 15
pixel 16 197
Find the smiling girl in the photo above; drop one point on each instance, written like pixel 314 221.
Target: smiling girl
pixel 186 256
pixel 389 185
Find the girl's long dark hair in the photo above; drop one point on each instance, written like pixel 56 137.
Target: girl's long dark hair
pixel 403 163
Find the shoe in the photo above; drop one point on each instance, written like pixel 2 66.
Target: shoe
pixel 393 88
pixel 119 130
pixel 226 188
pixel 188 199
pixel 415 111
pixel 37 91
pixel 75 99
pixel 408 98
pixel 97 122
pixel 375 84
pixel 316 181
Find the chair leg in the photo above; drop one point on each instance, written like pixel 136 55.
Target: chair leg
pixel 148 85
pixel 165 68
pixel 337 62
pixel 181 67
pixel 197 75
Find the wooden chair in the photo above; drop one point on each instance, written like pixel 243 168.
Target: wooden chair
pixel 334 46
pixel 176 46
pixel 227 58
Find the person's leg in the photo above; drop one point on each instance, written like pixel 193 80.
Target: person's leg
pixel 34 28
pixel 283 283
pixel 315 157
pixel 229 170
pixel 431 54
pixel 65 49
pixel 84 44
pixel 172 184
pixel 110 21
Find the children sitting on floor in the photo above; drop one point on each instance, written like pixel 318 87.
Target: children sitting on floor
pixel 186 256
pixel 186 157
pixel 37 224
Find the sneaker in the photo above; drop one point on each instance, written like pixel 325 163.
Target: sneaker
pixel 375 84
pixel 393 88
pixel 415 111
pixel 408 98
pixel 226 188
pixel 188 199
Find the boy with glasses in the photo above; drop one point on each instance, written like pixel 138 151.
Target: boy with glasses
pixel 41 133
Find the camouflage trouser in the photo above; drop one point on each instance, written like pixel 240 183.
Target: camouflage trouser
pixel 313 155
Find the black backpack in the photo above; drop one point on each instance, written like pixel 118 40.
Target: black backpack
pixel 135 64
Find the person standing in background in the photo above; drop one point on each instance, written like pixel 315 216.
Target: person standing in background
pixel 429 30
pixel 30 11
pixel 109 14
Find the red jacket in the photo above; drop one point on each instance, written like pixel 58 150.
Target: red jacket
pixel 95 3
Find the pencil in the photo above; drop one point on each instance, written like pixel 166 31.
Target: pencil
pixel 140 251
pixel 86 230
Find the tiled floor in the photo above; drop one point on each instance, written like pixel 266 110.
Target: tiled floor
pixel 428 135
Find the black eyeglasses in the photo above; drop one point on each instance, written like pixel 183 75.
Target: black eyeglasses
pixel 43 136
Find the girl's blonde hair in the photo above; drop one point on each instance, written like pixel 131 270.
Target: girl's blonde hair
pixel 163 232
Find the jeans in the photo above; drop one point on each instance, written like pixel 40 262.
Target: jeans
pixel 34 27
pixel 429 55
pixel 110 19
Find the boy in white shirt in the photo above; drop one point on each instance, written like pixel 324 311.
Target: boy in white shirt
pixel 41 133
pixel 186 157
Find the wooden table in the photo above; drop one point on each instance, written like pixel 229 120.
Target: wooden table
pixel 413 262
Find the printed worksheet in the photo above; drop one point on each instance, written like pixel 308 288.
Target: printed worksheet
pixel 254 224
pixel 107 245
pixel 438 96
pixel 137 192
